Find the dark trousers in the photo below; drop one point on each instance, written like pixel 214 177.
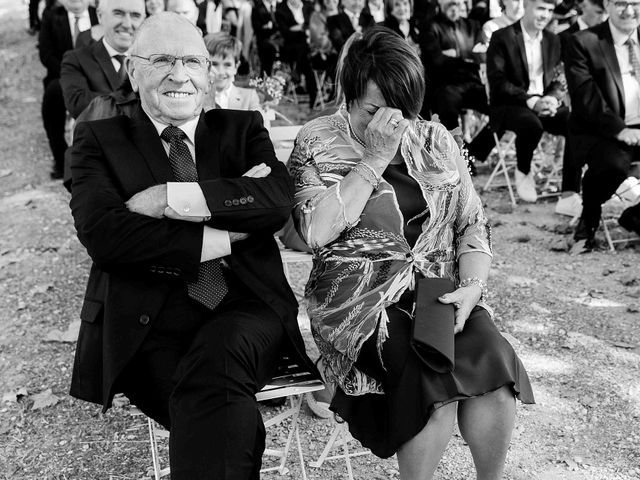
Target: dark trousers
pixel 34 19
pixel 267 53
pixel 529 128
pixel 609 161
pixel 54 114
pixel 197 374
pixel 449 101
pixel 297 55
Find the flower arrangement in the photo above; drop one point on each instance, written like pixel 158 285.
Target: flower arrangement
pixel 269 88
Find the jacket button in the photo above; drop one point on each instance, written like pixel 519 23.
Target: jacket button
pixel 243 201
pixel 227 203
pixel 144 319
pixel 160 269
pixel 250 199
pixel 236 202
pixel 152 269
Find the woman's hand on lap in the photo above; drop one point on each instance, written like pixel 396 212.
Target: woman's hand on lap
pixel 464 300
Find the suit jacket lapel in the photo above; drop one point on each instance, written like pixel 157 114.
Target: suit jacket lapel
pixel 145 137
pixel 517 30
pixel 609 54
pixel 207 150
pixel 65 29
pixel 547 68
pixel 104 60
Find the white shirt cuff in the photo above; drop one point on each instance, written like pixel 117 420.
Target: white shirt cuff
pixel 531 102
pixel 215 244
pixel 187 199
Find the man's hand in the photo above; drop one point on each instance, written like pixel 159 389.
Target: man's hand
pixel 259 171
pixel 450 52
pixel 629 136
pixel 150 202
pixel 546 106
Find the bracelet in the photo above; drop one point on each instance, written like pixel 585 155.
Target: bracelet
pixel 367 173
pixel 475 281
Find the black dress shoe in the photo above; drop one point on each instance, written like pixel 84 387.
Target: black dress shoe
pixel 630 219
pixel 585 237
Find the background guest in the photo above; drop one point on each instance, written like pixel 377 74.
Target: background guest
pixel 154 6
pixel 351 19
pixel 186 8
pixel 376 9
pixel 268 37
pixel 323 55
pixel 512 11
pixel 526 96
pixel 400 20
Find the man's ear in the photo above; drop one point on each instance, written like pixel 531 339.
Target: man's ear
pixel 131 71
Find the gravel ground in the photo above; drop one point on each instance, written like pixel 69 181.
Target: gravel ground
pixel 573 319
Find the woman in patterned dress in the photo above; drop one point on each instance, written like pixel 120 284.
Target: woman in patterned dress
pixel 384 199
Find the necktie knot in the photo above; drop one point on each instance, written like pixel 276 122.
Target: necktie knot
pixel 120 58
pixel 172 134
pixel 630 41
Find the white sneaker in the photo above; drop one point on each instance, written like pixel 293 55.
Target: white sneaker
pixel 526 186
pixel 629 191
pixel 570 206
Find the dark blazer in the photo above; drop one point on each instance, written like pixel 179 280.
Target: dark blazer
pixel 55 38
pixel 340 28
pixel 260 18
pixel 508 73
pixel 392 23
pixel 595 87
pixel 86 73
pixel 440 35
pixel 566 34
pixel 138 260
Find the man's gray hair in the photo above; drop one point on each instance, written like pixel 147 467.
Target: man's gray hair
pixel 157 20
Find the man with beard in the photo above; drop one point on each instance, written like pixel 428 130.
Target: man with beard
pixel 98 69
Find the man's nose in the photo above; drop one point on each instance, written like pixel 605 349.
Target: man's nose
pixel 178 72
pixel 126 20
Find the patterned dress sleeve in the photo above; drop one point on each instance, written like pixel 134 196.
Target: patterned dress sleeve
pixel 472 229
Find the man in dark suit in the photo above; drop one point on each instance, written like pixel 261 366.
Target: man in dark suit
pixel 59 30
pixel 268 36
pixel 526 89
pixel 98 69
pixel 352 18
pixel 603 72
pixel 187 308
pixel 446 46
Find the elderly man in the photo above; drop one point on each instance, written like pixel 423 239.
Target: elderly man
pixel 523 67
pixel 61 26
pixel 187 309
pixel 98 69
pixel 603 71
pixel 187 8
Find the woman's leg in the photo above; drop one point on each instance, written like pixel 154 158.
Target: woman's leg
pixel 419 457
pixel 486 424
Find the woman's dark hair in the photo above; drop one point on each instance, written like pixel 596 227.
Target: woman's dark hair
pixel 386 59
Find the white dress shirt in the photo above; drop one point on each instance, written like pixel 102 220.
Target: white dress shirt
pixel 187 199
pixel 222 97
pixel 355 20
pixel 298 16
pixel 112 53
pixel 533 50
pixel 84 21
pixel 377 12
pixel 582 25
pixel 630 84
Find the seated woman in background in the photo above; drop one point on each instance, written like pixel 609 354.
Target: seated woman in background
pixel 321 52
pixel 400 20
pixel 224 53
pixel 385 200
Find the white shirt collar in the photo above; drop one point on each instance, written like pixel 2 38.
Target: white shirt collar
pixel 352 15
pixel 529 38
pixel 189 127
pixel 110 50
pixel 619 37
pixel 72 16
pixel 582 25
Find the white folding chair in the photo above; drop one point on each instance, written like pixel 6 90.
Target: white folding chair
pixel 502 167
pixel 624 198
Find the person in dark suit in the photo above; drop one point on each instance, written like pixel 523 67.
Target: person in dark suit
pixel 187 309
pixel 268 36
pixel 352 18
pixel 452 70
pixel 292 17
pixel 526 89
pixel 605 121
pixel 98 69
pixel 59 30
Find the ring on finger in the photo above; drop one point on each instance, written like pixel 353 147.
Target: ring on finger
pixel 394 123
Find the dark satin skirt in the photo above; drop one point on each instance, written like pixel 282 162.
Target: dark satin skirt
pixel 484 362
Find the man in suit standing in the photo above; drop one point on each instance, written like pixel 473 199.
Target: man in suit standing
pixel 268 36
pixel 526 89
pixel 603 72
pixel 187 308
pixel 353 18
pixel 98 69
pixel 451 67
pixel 59 30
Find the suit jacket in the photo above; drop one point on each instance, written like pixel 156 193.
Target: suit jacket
pixel 440 35
pixel 508 73
pixel 340 27
pixel 595 87
pixel 55 38
pixel 138 260
pixel 85 74
pixel 243 99
pixel 260 18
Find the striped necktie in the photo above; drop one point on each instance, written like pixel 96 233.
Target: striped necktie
pixel 633 58
pixel 210 288
pixel 76 30
pixel 122 72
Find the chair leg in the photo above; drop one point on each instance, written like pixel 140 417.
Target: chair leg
pixel 154 450
pixel 501 168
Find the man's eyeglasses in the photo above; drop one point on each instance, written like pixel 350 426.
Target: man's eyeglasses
pixel 622 6
pixel 164 62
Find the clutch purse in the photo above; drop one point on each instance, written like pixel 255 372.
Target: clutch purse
pixel 432 332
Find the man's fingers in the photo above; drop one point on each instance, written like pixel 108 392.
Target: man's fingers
pixel 258 171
